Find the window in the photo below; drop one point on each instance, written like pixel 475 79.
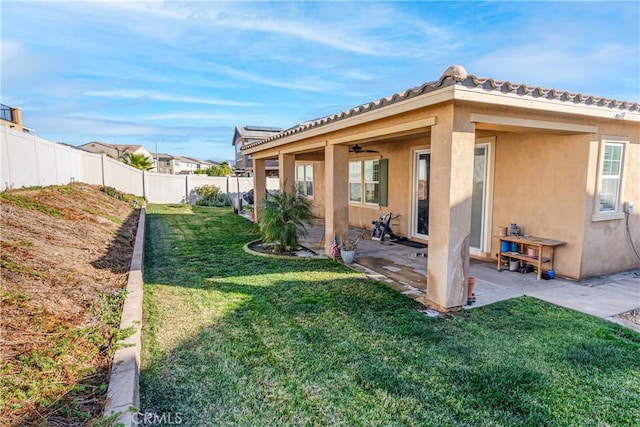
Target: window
pixel 176 162
pixel 367 182
pixel 371 181
pixel 304 179
pixel 355 182
pixel 167 162
pixel 610 177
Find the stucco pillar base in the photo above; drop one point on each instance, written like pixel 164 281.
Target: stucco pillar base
pixel 259 186
pixel 437 307
pixel 337 187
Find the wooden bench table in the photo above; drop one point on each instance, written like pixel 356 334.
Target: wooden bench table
pixel 525 242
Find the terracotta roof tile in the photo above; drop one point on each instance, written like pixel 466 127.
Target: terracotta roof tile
pixel 455 75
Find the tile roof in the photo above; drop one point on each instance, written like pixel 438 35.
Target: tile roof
pixel 456 74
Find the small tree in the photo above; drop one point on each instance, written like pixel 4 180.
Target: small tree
pixel 138 161
pixel 223 169
pixel 283 215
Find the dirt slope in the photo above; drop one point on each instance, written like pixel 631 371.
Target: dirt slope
pixel 65 252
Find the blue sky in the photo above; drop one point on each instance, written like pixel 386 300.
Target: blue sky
pixel 182 75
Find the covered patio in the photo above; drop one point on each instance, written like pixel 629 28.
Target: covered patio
pixel 455 159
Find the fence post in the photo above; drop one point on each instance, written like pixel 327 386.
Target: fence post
pixel 5 154
pixel 35 150
pixel 186 189
pixel 102 156
pixel 144 184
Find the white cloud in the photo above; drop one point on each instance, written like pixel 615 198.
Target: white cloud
pixel 553 66
pixel 157 96
pixel 11 50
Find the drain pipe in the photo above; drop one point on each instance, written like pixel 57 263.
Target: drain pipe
pixel 629 235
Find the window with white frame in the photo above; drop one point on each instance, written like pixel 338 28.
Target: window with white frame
pixel 371 181
pixel 364 181
pixel 304 179
pixel 610 177
pixel 355 182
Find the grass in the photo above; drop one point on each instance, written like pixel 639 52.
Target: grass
pixel 234 339
pixel 27 203
pixel 41 375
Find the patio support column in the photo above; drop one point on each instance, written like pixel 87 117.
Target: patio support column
pixel 287 171
pixel 337 193
pixel 259 185
pixel 451 187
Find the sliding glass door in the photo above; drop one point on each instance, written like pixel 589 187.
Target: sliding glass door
pixel 420 221
pixel 479 198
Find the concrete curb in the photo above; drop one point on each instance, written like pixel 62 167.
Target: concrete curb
pixel 248 250
pixel 123 394
pixel 626 323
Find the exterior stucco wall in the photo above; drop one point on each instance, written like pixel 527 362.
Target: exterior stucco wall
pixel 607 246
pixel 544 177
pixel 539 184
pixel 317 202
pixel 400 186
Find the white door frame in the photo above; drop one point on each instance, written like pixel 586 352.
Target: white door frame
pixel 487 199
pixel 414 194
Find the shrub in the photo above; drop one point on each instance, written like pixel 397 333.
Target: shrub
pixel 282 217
pixel 210 195
pixel 136 201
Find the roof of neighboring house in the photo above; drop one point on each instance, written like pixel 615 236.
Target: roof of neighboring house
pixel 118 147
pixel 254 132
pixel 457 75
pixel 164 156
pixel 202 162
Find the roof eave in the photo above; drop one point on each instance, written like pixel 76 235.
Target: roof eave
pixel 464 93
pixel 425 100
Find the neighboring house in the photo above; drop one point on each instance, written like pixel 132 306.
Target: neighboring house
pixel 180 165
pixel 244 135
pixel 459 157
pixel 12 117
pixel 117 151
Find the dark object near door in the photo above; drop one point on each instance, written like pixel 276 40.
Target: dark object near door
pixel 248 196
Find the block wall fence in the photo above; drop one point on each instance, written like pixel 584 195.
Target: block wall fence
pixel 29 161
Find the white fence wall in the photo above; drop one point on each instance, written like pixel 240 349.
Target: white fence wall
pixel 92 168
pixel 121 176
pixel 28 161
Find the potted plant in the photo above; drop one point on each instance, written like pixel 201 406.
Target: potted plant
pixel 348 249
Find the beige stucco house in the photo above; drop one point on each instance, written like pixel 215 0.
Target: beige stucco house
pixel 12 117
pixel 459 157
pixel 181 165
pixel 117 151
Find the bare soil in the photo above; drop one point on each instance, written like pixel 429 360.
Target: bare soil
pixel 270 249
pixel 631 316
pixel 65 255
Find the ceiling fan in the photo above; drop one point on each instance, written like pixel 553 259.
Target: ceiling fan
pixel 358 149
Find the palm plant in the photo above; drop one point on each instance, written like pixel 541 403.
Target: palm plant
pixel 138 161
pixel 282 217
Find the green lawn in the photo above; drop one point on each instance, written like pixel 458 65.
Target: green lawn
pixel 235 339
